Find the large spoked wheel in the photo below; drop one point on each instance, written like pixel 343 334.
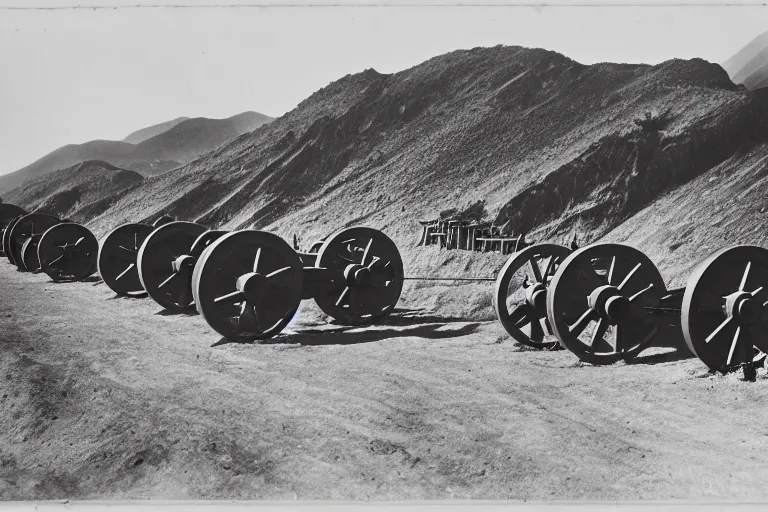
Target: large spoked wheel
pixel 7 239
pixel 29 226
pixel 247 285
pixel 117 258
pixel 520 296
pixel 597 299
pixel 725 307
pixel 68 252
pixel 373 275
pixel 165 264
pixel 8 212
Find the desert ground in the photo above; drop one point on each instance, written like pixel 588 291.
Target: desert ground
pixel 113 398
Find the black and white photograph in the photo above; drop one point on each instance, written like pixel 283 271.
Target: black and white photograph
pixel 383 252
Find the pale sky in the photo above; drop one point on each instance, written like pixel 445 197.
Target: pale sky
pixel 73 75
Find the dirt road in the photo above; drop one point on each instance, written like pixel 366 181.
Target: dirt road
pixel 110 398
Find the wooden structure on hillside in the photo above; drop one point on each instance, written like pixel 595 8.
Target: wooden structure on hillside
pixel 470 235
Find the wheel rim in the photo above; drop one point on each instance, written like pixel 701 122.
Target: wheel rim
pixel 165 264
pixel 519 297
pixel 725 307
pixel 27 227
pixel 68 252
pixel 7 240
pixel 597 299
pixel 373 275
pixel 247 285
pixel 8 212
pixel 117 258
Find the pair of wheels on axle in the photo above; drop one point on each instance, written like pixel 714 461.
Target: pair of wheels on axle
pixel 248 284
pixel 64 250
pixel 608 302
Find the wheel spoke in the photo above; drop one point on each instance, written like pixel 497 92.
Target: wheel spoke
pixel 636 295
pixel 629 276
pixel 598 334
pixel 365 253
pixel 720 327
pixel 230 298
pixel 56 260
pixel 124 272
pixel 278 272
pixel 256 260
pixel 520 315
pixel 581 324
pixel 612 270
pixel 744 279
pixel 537 333
pixel 343 295
pixel 735 341
pixel 550 267
pixel 167 280
pixel 536 270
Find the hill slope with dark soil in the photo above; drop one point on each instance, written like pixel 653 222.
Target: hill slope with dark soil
pixel 79 192
pixel 549 145
pixel 174 144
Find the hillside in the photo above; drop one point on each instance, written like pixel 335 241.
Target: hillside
pixel 541 140
pixel 749 66
pixel 78 192
pixel 150 131
pixel 179 143
pixel 193 137
pixel 550 146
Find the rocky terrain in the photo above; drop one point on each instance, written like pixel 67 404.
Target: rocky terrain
pixel 150 151
pixel 78 192
pixel 117 398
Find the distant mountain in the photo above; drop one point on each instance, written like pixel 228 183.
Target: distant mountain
pixel 195 137
pixel 89 187
pixel 150 131
pixel 749 66
pixel 180 143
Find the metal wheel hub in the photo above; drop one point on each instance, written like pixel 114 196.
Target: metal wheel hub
pixel 185 262
pixel 741 306
pixel 536 296
pixel 254 286
pixel 357 275
pixel 600 297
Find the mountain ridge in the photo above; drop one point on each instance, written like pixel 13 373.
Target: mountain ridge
pixel 177 144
